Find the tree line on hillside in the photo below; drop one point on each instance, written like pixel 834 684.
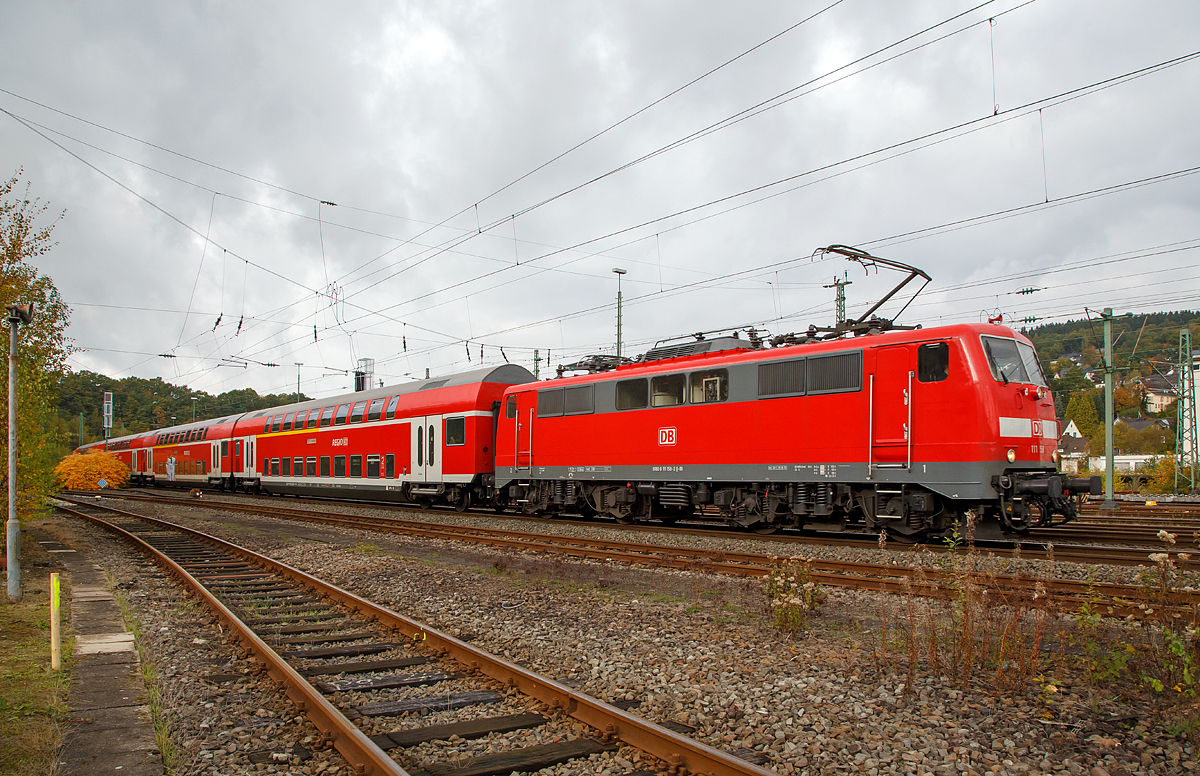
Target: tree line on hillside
pixel 142 405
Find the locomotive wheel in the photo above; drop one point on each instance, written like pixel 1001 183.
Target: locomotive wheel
pixel 464 501
pixel 766 530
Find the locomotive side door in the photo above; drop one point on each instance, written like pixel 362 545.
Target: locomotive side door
pixel 523 439
pixel 426 453
pixel 891 399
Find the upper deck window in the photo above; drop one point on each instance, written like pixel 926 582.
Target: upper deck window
pixel 376 409
pixel 391 408
pixel 327 416
pixel 1012 361
pixel 342 412
pixel 356 414
pixel 287 423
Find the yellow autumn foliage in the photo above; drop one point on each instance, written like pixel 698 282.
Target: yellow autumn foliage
pixel 83 471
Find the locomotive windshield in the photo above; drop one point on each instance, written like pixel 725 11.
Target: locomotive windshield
pixel 1012 361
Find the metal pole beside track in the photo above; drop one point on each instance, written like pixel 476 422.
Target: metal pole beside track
pixel 16 314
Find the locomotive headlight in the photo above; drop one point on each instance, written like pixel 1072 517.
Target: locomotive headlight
pixel 1012 455
pixel 1054 457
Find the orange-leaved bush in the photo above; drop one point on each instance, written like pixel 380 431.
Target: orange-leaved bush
pixel 83 471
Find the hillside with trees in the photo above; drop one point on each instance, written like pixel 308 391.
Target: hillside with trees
pixel 1143 345
pixel 141 405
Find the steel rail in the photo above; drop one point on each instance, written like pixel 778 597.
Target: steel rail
pixel 683 755
pixel 362 754
pixel 1120 600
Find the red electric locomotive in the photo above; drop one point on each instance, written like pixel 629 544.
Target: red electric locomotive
pixel 903 430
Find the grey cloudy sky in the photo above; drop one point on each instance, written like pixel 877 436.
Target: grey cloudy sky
pixel 1053 146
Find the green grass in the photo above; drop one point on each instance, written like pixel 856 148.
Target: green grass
pixel 32 699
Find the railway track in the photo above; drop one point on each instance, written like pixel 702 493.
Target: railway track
pixel 1047 544
pixel 1121 600
pixel 357 670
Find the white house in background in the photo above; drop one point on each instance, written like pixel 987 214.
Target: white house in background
pixel 1121 463
pixel 1072 430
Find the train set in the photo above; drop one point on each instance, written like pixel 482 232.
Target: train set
pixel 863 426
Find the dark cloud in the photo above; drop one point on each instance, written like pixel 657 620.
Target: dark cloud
pixel 410 116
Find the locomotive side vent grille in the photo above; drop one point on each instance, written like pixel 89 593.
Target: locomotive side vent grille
pixel 675 495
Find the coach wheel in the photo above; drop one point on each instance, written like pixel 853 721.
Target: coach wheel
pixel 765 530
pixel 625 519
pixel 464 501
pixel 424 503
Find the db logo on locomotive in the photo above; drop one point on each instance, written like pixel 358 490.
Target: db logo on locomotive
pixel 666 436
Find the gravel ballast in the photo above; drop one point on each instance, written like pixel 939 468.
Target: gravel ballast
pixel 695 649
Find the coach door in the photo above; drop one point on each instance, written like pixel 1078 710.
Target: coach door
pixel 427 448
pixel 216 459
pixel 236 455
pixel 891 410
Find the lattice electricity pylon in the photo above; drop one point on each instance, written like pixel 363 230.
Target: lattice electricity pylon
pixel 1187 443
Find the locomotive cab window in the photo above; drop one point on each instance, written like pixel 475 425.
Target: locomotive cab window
pixel 376 410
pixel 632 394
pixel 456 431
pixel 667 390
pixel 1012 361
pixel 356 415
pixel 933 362
pixel 710 386
pixel 391 408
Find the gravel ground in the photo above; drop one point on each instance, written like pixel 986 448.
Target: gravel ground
pixel 695 649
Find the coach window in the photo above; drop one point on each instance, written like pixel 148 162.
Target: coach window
pixel 666 390
pixel 632 394
pixel 300 420
pixel 327 416
pixel 710 386
pixel 389 465
pixel 324 466
pixel 340 418
pixel 356 466
pixel 314 418
pixel 297 467
pixel 267 425
pixel 579 400
pixel 274 471
pixel 356 415
pixel 391 408
pixel 275 421
pixel 310 467
pixel 224 447
pixel 510 407
pixel 339 466
pixel 287 423
pixel 933 362
pixel 373 466
pixel 286 470
pixel 376 410
pixel 456 431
